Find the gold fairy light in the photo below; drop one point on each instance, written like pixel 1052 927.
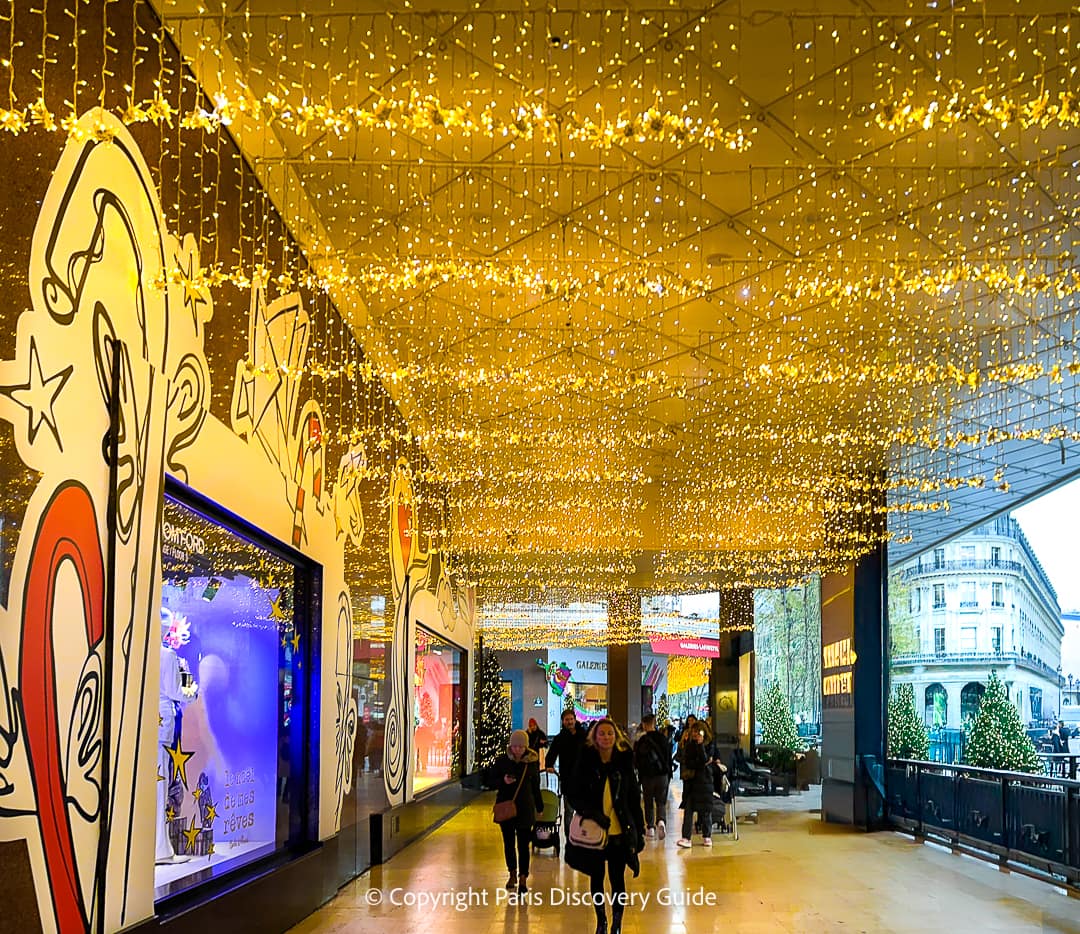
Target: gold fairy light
pixel 540 263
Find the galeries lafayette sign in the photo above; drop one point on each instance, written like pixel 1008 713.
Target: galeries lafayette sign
pixel 702 648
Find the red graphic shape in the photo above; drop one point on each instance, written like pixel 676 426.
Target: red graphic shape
pixel 68 533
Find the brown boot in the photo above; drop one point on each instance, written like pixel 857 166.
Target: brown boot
pixel 512 882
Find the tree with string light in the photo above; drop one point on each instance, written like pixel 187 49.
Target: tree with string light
pixel 491 717
pixel 908 738
pixel 778 731
pixel 996 739
pixel 663 711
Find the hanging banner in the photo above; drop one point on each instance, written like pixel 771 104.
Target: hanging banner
pixel 698 648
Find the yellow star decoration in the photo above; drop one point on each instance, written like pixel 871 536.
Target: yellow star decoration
pixel 170 813
pixel 211 815
pixel 295 642
pixel 191 834
pixel 179 761
pixel 160 777
pixel 197 793
pixel 210 850
pixel 276 612
pixel 192 293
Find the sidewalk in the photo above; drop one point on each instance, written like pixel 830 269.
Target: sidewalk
pixel 789 872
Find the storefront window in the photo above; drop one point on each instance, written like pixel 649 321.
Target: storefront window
pixel 438 717
pixel 369 682
pixel 231 735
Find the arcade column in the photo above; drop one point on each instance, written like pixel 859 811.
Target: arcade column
pixel 624 659
pixel 853 682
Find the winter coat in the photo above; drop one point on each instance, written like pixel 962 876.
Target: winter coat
pixel 697 777
pixel 528 800
pixel 564 749
pixel 585 792
pixel 652 755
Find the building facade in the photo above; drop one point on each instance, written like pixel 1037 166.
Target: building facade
pixel 980 603
pixel 1070 667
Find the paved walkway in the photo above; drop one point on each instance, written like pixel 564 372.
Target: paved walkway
pixel 788 872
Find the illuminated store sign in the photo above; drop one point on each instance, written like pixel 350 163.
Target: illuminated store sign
pixel 837 668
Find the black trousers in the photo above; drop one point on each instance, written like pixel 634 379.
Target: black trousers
pixel 704 816
pixel 615 864
pixel 654 791
pixel 511 832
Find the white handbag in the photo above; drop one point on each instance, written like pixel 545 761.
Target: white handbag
pixel 587 834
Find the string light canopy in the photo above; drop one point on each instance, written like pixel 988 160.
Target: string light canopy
pixel 671 296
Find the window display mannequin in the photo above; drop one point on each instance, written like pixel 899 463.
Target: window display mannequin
pixel 177 689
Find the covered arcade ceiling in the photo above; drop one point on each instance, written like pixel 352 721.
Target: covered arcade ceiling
pixel 682 295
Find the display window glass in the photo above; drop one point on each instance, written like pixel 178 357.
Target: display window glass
pixel 231 715
pixel 438 716
pixel 369 688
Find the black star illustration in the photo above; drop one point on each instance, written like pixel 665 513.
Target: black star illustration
pixel 38 395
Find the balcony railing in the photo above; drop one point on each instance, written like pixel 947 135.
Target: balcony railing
pixel 963 564
pixel 979 564
pixel 1028 819
pixel 974 658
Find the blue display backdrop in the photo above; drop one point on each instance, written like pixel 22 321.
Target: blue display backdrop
pixel 228 619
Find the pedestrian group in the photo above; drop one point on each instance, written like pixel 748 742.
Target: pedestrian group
pixel 614 797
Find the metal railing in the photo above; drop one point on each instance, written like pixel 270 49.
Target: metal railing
pixel 1031 820
pixel 962 564
pixel 974 658
pixel 946 746
pixel 1060 764
pixel 1038 584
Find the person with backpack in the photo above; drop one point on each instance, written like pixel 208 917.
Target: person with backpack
pixel 652 758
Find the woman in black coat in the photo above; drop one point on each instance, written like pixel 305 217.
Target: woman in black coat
pixel 605 789
pixel 516 776
pixel 698 783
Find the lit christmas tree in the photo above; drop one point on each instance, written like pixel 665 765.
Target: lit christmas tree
pixel 491 717
pixel 663 711
pixel 568 697
pixel 777 722
pixel 907 732
pixel 997 739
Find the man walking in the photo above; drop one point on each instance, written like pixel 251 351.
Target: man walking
pixel 562 752
pixel 652 757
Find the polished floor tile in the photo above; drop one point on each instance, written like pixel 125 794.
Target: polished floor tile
pixel 788 872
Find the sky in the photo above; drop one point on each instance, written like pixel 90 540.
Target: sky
pixel 1050 526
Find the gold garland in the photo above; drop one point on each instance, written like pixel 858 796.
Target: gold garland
pixel 1044 110
pixel 1022 281
pixel 415 113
